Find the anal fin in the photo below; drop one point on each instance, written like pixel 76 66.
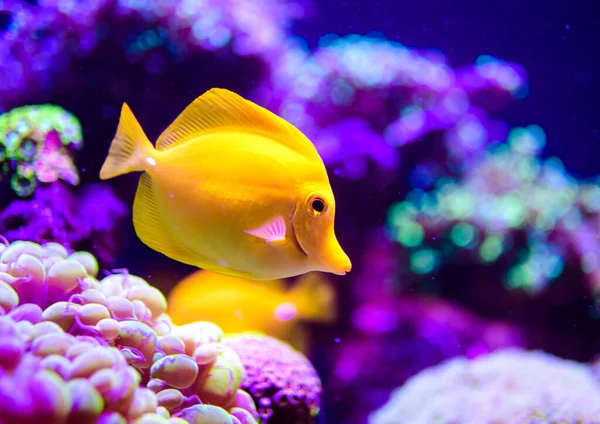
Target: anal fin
pixel 150 227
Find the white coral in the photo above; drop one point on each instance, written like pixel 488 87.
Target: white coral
pixel 510 386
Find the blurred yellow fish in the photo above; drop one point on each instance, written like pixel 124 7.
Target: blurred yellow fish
pixel 238 305
pixel 231 188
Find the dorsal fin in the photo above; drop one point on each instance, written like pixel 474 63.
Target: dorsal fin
pixel 219 109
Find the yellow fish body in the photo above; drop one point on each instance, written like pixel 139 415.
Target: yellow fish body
pixel 231 188
pixel 238 305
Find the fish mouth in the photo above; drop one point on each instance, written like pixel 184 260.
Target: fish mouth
pixel 340 267
pixel 333 257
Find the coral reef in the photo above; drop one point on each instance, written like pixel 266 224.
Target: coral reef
pixel 36 144
pixel 35 33
pixel 281 380
pixel 406 334
pixel 104 349
pixel 54 214
pixel 509 386
pixel 510 194
pixel 359 98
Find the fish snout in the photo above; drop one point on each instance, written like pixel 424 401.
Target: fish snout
pixel 342 267
pixel 335 259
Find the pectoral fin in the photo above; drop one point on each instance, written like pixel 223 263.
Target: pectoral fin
pixel 272 231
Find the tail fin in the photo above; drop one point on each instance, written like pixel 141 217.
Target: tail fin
pixel 315 298
pixel 129 149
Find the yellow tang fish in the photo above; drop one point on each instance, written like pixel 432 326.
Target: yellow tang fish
pixel 239 305
pixel 231 188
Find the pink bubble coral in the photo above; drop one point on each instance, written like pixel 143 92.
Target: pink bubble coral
pixel 282 381
pixel 52 376
pixel 109 342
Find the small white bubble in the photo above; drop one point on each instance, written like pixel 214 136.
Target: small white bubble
pixel 150 161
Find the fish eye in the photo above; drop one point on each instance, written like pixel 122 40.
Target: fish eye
pixel 316 206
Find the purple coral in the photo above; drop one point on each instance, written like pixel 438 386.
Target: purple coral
pixel 55 214
pixel 282 381
pixel 361 97
pixel 406 335
pixel 510 386
pixel 36 34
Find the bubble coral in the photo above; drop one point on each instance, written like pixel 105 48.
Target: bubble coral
pixel 509 386
pixel 37 144
pixel 112 344
pixel 361 96
pixel 281 380
pixel 88 220
pixel 508 193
